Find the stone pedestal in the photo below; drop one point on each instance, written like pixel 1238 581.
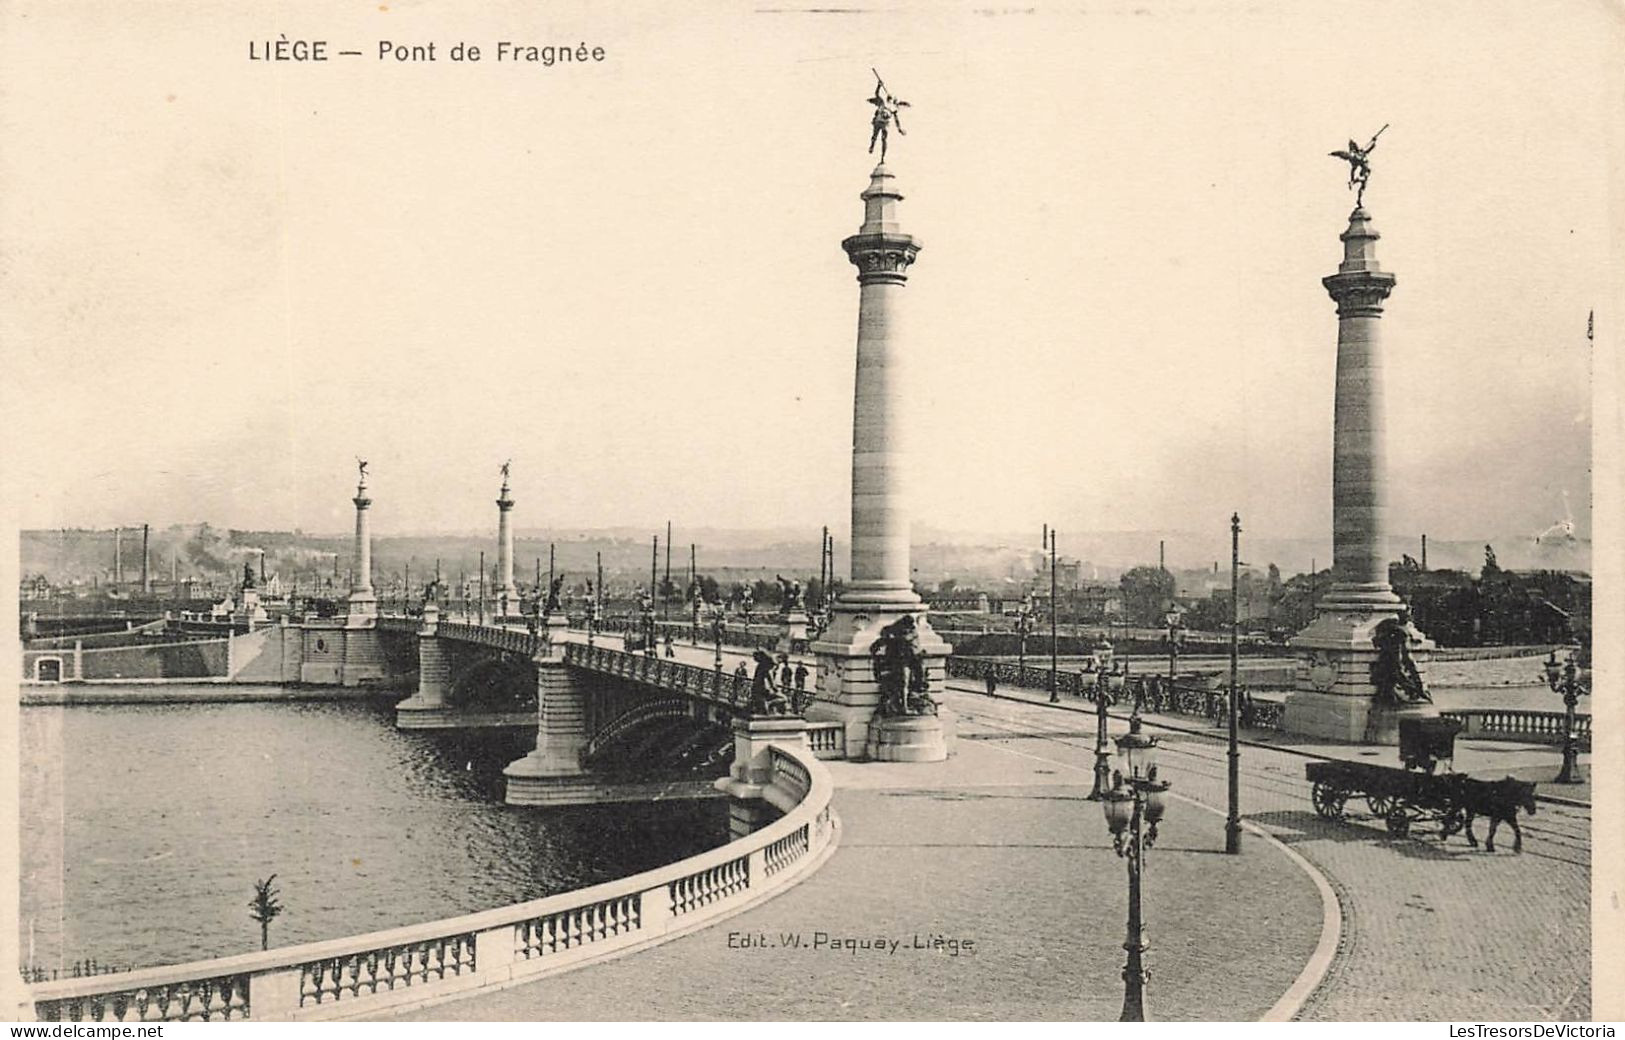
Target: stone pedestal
pixel 793 640
pixel 1333 697
pixel 847 691
pixel 553 774
pixel 908 738
pixel 752 772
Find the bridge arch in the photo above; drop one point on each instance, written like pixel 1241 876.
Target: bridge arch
pixel 494 682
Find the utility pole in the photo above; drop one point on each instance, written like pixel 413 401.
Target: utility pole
pixel 551 571
pixel 1232 822
pixel 482 586
pixel 1054 612
pixel 665 602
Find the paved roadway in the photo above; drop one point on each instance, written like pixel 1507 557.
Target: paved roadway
pixel 1431 931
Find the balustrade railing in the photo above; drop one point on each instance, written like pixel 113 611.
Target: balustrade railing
pixel 662 672
pixel 1524 725
pixel 362 975
pixel 1154 692
pixel 827 739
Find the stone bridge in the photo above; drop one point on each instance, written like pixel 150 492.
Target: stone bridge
pixel 605 717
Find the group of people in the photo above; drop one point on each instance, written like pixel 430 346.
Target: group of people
pixel 1159 694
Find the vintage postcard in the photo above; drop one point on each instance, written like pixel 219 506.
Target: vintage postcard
pixel 754 512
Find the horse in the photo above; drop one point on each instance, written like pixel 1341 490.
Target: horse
pixel 1500 800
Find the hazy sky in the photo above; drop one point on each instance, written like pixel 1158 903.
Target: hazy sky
pixel 225 279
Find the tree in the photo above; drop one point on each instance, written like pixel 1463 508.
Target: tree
pixel 264 908
pixel 1146 592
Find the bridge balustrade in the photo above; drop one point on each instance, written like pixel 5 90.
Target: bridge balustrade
pixel 363 975
pixel 661 672
pixel 1523 725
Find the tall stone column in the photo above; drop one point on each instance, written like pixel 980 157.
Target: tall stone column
pixel 881 589
pixel 507 592
pixel 363 603
pixel 1334 696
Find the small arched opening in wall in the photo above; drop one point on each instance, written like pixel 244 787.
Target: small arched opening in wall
pixel 48 669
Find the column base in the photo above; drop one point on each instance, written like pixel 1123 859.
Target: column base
pixel 846 689
pixel 1334 698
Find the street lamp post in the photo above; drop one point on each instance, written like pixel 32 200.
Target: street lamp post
pixel 1133 807
pixel 1024 625
pixel 1174 630
pixel 1103 758
pixel 1054 639
pixel 1565 679
pixel 1232 820
pixel 718 627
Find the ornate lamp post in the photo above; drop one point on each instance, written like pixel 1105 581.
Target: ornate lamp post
pixel 718 628
pixel 1133 807
pixel 1024 625
pixel 1103 758
pixel 1175 630
pixel 1565 679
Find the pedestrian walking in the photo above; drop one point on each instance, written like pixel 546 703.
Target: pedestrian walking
pixel 992 682
pixel 670 652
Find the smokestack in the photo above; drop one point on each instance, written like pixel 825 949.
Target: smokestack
pixel 1424 552
pixel 1162 555
pixel 146 580
pixel 118 556
pixel 262 567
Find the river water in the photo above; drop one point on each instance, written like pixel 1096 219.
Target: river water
pixel 144 828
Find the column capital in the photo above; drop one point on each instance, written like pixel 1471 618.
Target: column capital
pixel 361 501
pixel 881 257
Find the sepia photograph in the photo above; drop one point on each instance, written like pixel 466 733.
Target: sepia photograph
pixel 741 512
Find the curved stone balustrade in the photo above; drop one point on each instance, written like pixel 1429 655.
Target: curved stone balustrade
pixel 426 963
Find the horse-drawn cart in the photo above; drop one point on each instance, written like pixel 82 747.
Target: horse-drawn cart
pixel 1415 793
pixel 1399 797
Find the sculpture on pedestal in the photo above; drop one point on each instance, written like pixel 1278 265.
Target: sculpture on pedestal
pixel 790 592
pixel 553 595
pixel 899 665
pixel 765 697
pixel 1394 673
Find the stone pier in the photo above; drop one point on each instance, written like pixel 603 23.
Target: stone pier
pixel 1334 697
pixel 553 774
pixel 881 588
pixel 427 708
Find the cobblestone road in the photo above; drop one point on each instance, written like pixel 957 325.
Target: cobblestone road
pixel 1432 931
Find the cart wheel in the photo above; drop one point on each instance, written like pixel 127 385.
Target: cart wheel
pixel 1399 824
pixel 1328 801
pixel 1381 805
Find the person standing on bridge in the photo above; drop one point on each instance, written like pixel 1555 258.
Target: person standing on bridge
pixel 670 652
pixel 992 682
